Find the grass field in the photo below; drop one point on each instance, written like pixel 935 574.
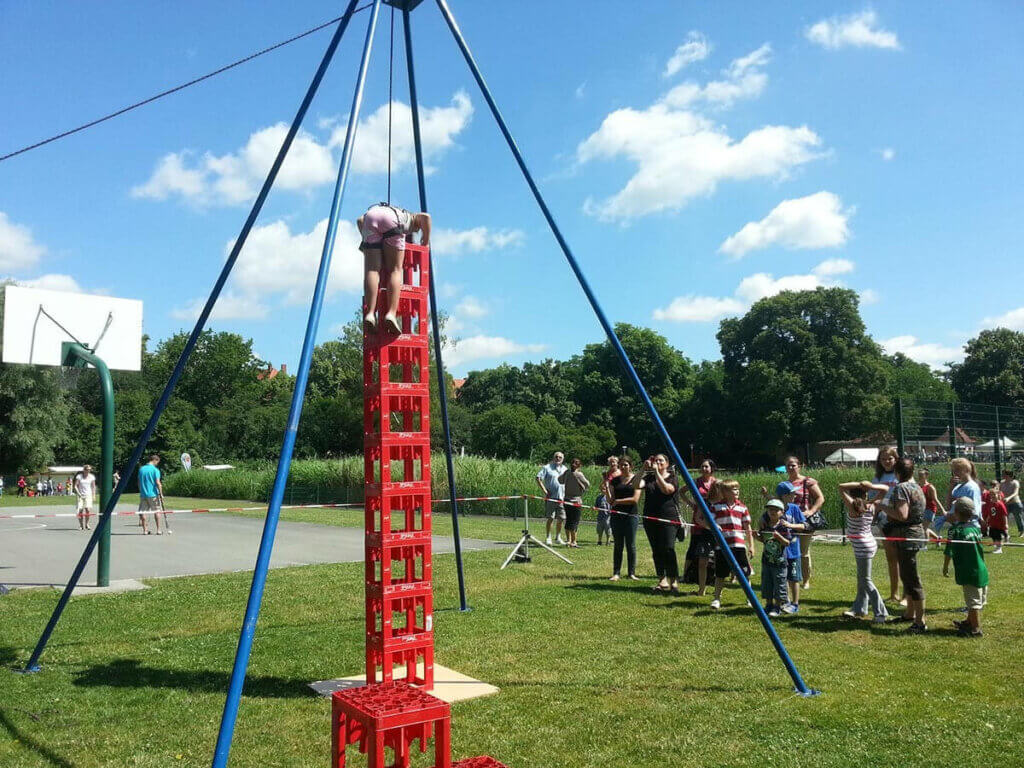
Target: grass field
pixel 592 673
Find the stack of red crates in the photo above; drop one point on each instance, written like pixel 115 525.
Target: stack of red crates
pixel 396 443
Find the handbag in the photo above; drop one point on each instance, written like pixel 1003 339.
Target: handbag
pixel 817 521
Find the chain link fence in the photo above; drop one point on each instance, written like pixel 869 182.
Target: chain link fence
pixel 933 431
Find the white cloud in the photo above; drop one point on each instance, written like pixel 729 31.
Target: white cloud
pixel 276 263
pixel 445 242
pixel 743 79
pixel 472 307
pixel 439 127
pixel 681 155
pixel 229 306
pixel 701 309
pixel 815 221
pixel 762 285
pixel 935 355
pixel 696 48
pixel 887 153
pixel 18 249
pixel 235 178
pixel 869 296
pixel 831 267
pixel 859 30
pixel 54 282
pixel 698 309
pixel 1014 320
pixel 486 348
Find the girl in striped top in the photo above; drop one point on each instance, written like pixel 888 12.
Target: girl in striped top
pixel 859 515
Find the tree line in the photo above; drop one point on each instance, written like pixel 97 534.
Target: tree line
pixel 796 369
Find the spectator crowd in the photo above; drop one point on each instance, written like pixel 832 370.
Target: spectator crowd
pixel 897 507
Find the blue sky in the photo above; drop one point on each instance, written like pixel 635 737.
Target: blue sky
pixel 697 157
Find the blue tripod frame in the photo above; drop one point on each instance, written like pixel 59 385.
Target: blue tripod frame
pixel 230 714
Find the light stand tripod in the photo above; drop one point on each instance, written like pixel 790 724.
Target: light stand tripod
pixel 522 546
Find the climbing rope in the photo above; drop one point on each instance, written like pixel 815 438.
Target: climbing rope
pixel 391 88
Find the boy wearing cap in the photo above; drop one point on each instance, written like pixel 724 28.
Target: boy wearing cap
pixel 786 493
pixel 776 536
pixel 964 549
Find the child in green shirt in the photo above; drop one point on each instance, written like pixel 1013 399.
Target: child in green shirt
pixel 969 565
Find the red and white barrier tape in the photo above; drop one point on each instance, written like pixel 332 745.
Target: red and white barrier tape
pixel 358 504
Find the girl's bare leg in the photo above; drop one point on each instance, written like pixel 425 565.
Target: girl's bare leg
pixel 892 559
pixel 392 277
pixel 371 282
pixel 805 559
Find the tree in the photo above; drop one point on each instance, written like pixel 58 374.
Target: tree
pixel 220 365
pixel 33 413
pixel 506 432
pixel 607 397
pixel 993 369
pixel 805 363
pixel 910 379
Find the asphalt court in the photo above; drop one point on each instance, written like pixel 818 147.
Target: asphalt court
pixel 44 551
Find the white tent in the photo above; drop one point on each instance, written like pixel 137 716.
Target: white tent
pixel 1005 444
pixel 852 456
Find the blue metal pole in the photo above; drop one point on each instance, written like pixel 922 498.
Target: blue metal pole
pixel 442 388
pixel 259 577
pixel 179 368
pixel 798 681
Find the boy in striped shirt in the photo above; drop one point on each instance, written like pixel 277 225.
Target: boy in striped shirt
pixel 733 519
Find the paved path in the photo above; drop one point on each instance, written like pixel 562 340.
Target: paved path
pixel 44 551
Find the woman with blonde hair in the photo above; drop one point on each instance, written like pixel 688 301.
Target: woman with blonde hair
pixel 963 482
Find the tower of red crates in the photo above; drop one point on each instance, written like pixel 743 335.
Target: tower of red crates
pixel 396 442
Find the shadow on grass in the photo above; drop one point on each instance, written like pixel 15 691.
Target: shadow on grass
pixel 130 673
pixel 31 744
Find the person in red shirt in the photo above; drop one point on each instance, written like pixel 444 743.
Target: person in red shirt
pixel 995 518
pixel 21 485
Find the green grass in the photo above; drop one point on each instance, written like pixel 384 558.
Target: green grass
pixel 592 674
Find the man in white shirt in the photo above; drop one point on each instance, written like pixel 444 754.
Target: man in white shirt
pixel 85 488
pixel 554 494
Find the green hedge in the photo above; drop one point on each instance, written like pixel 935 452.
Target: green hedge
pixel 342 481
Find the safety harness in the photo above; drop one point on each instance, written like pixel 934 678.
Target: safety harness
pixel 396 230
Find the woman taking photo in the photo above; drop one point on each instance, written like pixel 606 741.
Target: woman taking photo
pixel 885 465
pixel 810 499
pixel 624 497
pixel 661 520
pixel 702 541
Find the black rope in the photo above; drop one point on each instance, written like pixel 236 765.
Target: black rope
pixel 177 88
pixel 391 88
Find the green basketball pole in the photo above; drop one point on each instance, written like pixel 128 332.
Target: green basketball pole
pixel 78 356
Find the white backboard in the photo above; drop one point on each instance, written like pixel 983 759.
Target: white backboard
pixel 111 327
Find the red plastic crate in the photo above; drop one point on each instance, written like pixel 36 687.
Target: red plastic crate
pixel 414 653
pixel 389 715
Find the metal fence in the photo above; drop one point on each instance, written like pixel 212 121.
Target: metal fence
pixel 933 430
